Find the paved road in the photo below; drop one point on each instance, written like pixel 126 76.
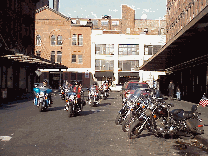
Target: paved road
pixel 92 133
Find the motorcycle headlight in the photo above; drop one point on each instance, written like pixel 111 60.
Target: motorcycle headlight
pixel 41 93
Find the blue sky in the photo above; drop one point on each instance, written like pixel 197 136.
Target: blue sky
pixel 150 9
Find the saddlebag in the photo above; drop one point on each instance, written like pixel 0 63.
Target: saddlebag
pixel 195 126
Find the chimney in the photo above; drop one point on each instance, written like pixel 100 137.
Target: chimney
pixel 56 5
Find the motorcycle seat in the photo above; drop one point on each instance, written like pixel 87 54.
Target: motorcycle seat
pixel 188 114
pixel 176 111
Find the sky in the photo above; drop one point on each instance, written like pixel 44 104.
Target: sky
pixel 144 9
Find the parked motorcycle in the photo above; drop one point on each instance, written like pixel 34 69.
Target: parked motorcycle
pixel 159 120
pixel 42 97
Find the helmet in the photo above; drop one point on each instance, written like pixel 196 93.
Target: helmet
pixel 94 83
pixel 45 80
pixel 75 83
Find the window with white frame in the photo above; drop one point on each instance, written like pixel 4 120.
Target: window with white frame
pixel 53 40
pixel 128 49
pixel 128 65
pixel 115 23
pixel 38 40
pixel 148 50
pixel 80 59
pixel 74 39
pixel 59 56
pixel 80 39
pixel 104 49
pixel 53 56
pixel 73 58
pixel 104 23
pixel 59 40
pixel 102 64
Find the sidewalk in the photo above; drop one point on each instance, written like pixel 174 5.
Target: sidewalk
pixel 204 116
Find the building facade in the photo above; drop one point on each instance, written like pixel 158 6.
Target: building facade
pixel 17 61
pixel 60 41
pixel 117 57
pixel 184 57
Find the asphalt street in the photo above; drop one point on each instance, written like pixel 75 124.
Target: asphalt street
pixel 26 131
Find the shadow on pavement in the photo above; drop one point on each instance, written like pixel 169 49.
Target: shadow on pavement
pixel 104 104
pixel 19 99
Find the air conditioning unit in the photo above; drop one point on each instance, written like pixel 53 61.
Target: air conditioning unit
pixel 132 69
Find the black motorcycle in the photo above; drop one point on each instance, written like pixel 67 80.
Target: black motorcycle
pixel 162 122
pixel 74 105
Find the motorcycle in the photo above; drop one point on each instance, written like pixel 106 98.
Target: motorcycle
pixel 93 97
pixel 42 97
pixel 72 104
pixel 162 122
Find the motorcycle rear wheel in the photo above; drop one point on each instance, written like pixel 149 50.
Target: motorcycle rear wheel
pixel 135 130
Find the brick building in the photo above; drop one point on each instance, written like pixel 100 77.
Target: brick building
pixel 17 61
pixel 60 41
pixel 127 24
pixel 184 57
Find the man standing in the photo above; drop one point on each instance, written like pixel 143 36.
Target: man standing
pixel 171 90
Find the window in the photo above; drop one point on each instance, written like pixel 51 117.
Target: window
pixel 101 64
pixel 53 40
pixel 79 58
pixel 73 76
pixel 59 56
pixel 148 50
pixel 80 39
pixel 115 23
pixel 128 65
pixel 74 39
pixel 73 58
pixel 53 56
pixel 129 49
pixel 38 53
pixel 95 22
pixel 104 49
pixel 128 30
pixel 38 40
pixel 104 23
pixel 77 39
pixel 59 40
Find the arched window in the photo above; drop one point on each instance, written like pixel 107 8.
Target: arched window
pixel 59 40
pixel 38 40
pixel 53 40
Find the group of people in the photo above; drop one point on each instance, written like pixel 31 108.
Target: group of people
pixel 171 89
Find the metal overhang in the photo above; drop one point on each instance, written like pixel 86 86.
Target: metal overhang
pixel 35 60
pixel 104 74
pixel 187 46
pixel 134 74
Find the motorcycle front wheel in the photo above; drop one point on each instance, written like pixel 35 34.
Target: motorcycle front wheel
pixel 40 106
pixel 70 111
pixel 119 119
pixel 127 122
pixel 135 129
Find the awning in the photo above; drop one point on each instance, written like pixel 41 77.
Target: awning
pixel 187 47
pixel 123 74
pixel 104 74
pixel 38 61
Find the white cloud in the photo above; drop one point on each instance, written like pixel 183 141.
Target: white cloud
pixel 144 16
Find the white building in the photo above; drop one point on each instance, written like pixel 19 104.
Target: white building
pixel 117 57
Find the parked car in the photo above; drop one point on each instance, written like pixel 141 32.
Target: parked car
pixel 130 87
pixel 116 87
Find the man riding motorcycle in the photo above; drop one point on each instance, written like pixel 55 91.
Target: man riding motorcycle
pixel 45 84
pixel 78 89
